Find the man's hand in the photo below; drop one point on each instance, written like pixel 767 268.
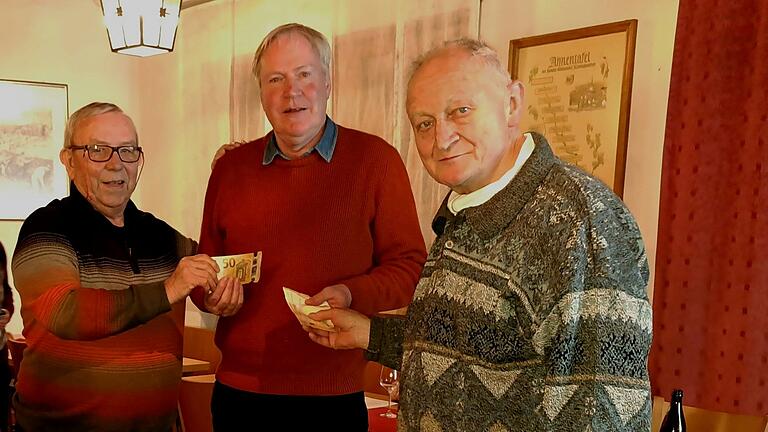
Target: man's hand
pixel 337 296
pixel 197 270
pixel 223 149
pixel 353 329
pixel 226 299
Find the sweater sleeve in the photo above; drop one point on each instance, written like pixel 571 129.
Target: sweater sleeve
pixel 46 274
pixel 597 337
pixel 385 343
pixel 398 246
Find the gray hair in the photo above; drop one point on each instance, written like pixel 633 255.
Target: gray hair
pixel 476 49
pixel 319 44
pixel 91 110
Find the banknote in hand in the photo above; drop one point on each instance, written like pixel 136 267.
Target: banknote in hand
pixel 296 300
pixel 244 267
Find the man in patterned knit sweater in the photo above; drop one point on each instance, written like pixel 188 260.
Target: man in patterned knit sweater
pixel 531 313
pixel 332 212
pixel 102 286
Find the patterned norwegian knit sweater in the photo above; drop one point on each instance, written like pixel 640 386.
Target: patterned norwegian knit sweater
pixel 531 313
pixel 348 221
pixel 103 343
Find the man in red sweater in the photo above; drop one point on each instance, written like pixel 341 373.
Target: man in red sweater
pixel 332 211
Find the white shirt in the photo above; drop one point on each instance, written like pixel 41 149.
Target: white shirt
pixel 458 202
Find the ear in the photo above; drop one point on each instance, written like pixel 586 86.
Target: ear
pixel 65 156
pixel 516 93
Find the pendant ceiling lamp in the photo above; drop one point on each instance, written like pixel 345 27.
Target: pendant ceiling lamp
pixel 141 28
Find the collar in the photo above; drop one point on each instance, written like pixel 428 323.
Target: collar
pixel 501 209
pixel 458 202
pixel 324 147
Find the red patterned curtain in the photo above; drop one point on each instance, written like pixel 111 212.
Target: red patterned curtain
pixel 711 288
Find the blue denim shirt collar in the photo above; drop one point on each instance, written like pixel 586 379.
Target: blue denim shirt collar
pixel 325 147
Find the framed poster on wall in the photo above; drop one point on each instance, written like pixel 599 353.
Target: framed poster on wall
pixel 32 120
pixel 578 87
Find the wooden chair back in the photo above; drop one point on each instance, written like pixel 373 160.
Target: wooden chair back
pixel 195 403
pixel 198 344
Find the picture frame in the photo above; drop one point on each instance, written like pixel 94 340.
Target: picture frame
pixel 578 87
pixel 33 116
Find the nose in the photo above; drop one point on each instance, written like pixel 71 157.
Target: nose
pixel 445 135
pixel 292 87
pixel 114 161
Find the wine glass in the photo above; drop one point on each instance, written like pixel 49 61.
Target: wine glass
pixel 388 379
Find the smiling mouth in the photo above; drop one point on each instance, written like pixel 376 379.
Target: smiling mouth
pixel 114 182
pixel 293 110
pixel 450 158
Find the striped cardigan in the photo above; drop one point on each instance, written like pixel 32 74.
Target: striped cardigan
pixel 103 343
pixel 531 313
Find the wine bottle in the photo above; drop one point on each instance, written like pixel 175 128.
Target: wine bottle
pixel 674 420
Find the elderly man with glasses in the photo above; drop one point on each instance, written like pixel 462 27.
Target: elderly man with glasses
pixel 102 288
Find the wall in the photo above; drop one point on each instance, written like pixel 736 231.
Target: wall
pixel 181 101
pixel 43 41
pixel 503 20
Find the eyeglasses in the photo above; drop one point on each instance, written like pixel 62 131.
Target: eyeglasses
pixel 102 153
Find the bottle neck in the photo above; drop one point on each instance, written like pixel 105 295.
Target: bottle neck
pixel 674 420
pixel 677 396
pixel 676 406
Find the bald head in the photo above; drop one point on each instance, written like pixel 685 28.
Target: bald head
pixel 469 49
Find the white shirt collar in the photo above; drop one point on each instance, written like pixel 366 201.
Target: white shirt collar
pixel 458 202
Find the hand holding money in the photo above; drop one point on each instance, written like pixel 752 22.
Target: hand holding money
pixel 337 296
pixel 244 267
pixel 351 329
pixel 226 299
pixel 296 302
pixel 192 271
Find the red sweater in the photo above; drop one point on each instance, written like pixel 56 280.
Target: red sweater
pixel 351 221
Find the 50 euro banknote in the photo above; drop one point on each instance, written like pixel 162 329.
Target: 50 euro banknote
pixel 244 267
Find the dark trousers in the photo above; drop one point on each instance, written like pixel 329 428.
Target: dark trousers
pixel 237 410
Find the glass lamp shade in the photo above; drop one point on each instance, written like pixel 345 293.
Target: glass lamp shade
pixel 141 27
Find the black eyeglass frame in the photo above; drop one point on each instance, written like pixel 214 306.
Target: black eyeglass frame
pixel 116 149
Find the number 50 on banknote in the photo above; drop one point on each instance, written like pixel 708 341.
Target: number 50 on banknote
pixel 244 267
